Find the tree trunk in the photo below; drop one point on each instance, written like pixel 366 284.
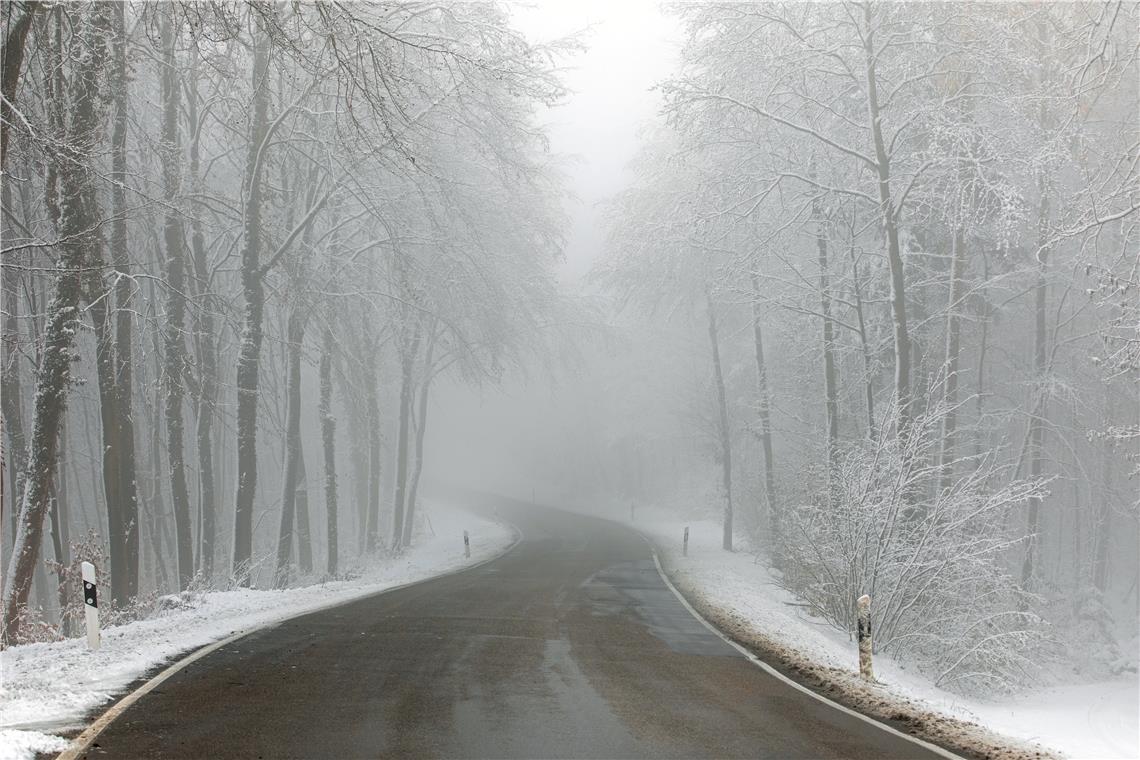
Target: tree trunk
pixel 61 491
pixel 1102 530
pixel 79 216
pixel 328 438
pixel 891 229
pixel 402 529
pixel 763 413
pixel 10 64
pixel 1041 402
pixel 207 351
pixel 304 533
pixel 421 427
pixel 946 461
pixel 358 449
pixel 41 587
pixel 11 392
pixel 869 377
pixel 157 502
pixel 60 529
pixel 725 438
pixel 124 368
pixel 254 295
pixel 373 459
pixel 358 433
pixel 979 402
pixel 109 416
pixel 174 341
pixel 950 364
pixel 121 528
pixel 59 552
pixel 89 445
pixel 296 336
pixel 830 371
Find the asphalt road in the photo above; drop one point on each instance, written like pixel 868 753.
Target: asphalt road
pixel 569 646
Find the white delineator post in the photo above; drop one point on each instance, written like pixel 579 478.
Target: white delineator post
pixel 466 545
pixel 864 635
pixel 91 605
pixel 685 543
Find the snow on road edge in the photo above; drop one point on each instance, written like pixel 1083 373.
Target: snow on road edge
pixel 47 689
pixel 740 597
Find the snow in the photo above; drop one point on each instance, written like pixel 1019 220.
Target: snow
pixel 48 689
pixel 1085 721
pixel 1093 720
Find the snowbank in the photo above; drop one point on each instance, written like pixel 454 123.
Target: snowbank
pixel 47 689
pixel 1098 720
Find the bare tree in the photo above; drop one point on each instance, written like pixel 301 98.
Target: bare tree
pixel 78 217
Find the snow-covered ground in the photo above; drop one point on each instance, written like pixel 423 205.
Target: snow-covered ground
pixel 1098 720
pixel 47 689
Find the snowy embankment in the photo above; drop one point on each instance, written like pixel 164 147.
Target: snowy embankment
pixel 740 596
pixel 47 689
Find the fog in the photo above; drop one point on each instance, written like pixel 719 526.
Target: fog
pixel 855 282
pixel 489 435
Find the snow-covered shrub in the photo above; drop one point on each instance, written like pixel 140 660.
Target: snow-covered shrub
pixel 1086 634
pixel 935 562
pixel 258 571
pixel 90 548
pixel 35 627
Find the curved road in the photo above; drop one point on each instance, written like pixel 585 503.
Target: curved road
pixel 569 646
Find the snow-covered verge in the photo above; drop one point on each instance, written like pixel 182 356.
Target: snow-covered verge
pixel 47 689
pixel 740 596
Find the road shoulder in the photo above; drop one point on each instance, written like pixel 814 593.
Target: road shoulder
pixel 52 691
pixel 714 601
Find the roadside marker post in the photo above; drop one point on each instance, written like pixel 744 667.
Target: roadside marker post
pixel 466 545
pixel 91 604
pixel 685 543
pixel 864 635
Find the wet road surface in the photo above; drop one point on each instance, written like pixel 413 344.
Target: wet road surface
pixel 569 646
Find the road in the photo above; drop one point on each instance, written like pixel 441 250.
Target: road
pixel 570 645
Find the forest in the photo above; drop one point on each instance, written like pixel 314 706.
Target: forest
pixel 230 225
pixel 879 263
pixel 870 298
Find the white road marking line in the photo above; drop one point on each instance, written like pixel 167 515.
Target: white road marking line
pixel 940 751
pixel 81 743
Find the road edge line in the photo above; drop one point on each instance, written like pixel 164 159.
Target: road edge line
pixel 941 751
pixel 83 741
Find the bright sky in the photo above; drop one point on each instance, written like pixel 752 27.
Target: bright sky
pixel 631 45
